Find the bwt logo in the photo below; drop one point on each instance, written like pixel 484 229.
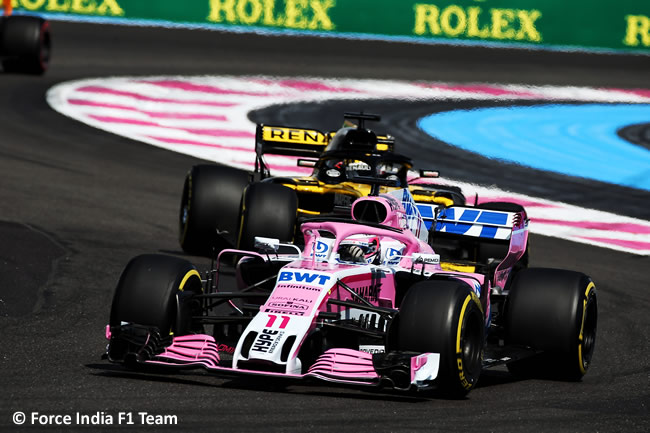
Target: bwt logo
pixel 451 221
pixel 321 247
pixel 392 252
pixel 303 277
pixel 393 256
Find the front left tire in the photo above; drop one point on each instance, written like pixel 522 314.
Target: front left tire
pixel 445 317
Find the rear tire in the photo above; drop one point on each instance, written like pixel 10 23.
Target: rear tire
pixel 269 210
pixel 26 44
pixel 211 201
pixel 554 311
pixel 445 317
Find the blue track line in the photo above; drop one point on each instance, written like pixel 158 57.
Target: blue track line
pixel 577 140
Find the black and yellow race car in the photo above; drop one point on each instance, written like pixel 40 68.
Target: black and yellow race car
pixel 222 206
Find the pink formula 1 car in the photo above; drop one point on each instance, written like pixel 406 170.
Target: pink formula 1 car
pixel 366 302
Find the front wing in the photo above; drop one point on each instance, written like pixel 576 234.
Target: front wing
pixel 344 366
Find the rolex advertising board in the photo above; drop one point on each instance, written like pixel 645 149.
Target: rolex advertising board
pixel 546 24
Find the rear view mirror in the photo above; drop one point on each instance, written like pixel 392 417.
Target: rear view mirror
pixel 307 163
pixel 430 173
pixel 267 244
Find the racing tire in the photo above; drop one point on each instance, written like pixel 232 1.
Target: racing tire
pixel 555 312
pixel 147 291
pixel 445 317
pixel 209 211
pixel 492 250
pixel 26 44
pixel 268 210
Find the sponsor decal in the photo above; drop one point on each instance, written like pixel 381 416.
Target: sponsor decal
pixel 83 7
pixel 343 200
pixel 393 256
pixel 368 291
pixel 292 14
pixel 293 135
pixel 427 259
pixel 293 299
pixel 266 339
pixel 372 348
pixel 475 22
pixel 289 305
pixel 637 31
pixel 224 348
pixel 452 222
pixel 333 172
pixel 304 277
pixel 321 249
pixel 358 166
pixel 293 313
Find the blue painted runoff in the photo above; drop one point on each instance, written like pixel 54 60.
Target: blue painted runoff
pixel 577 140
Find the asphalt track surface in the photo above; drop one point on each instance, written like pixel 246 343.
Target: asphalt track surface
pixel 77 203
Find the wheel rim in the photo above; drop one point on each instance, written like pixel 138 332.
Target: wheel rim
pixel 589 333
pixel 471 345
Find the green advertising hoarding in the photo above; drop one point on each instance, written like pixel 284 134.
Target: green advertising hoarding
pixel 559 24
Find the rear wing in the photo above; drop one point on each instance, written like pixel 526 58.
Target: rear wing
pixel 283 140
pixel 478 223
pixel 478 227
pixel 299 142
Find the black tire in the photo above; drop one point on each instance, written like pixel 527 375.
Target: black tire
pixel 488 250
pixel 445 317
pixel 146 293
pixel 26 44
pixel 554 311
pixel 268 210
pixel 211 201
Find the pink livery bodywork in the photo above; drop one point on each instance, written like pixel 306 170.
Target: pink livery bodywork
pixel 316 284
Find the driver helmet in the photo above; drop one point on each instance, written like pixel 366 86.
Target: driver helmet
pixel 360 250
